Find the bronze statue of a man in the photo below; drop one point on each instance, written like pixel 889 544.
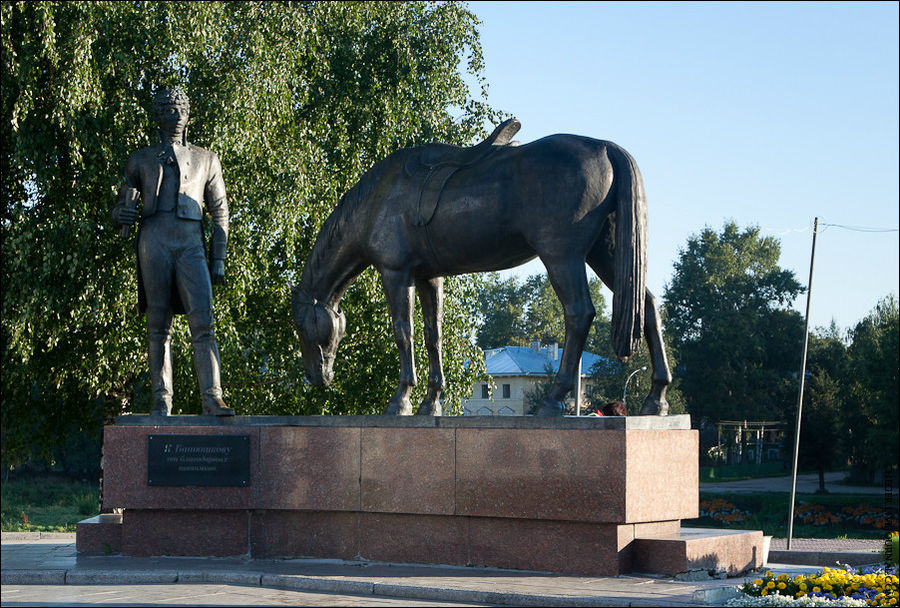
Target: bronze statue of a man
pixel 175 180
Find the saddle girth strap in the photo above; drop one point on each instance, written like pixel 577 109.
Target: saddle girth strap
pixel 442 170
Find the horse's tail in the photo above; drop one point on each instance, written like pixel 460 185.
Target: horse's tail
pixel 630 254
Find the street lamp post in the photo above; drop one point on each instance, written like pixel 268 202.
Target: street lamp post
pixel 625 392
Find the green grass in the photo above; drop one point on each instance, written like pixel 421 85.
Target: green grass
pixel 47 504
pixel 768 512
pixel 736 472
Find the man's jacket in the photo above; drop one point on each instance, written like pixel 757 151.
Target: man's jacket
pixel 201 186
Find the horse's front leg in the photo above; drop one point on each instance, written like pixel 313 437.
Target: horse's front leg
pixel 570 284
pixel 655 403
pixel 431 295
pixel 399 289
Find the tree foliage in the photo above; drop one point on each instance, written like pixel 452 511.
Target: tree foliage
pixel 823 440
pixel 501 306
pixel 850 402
pixel 514 312
pixel 736 340
pixel 298 99
pixel 872 389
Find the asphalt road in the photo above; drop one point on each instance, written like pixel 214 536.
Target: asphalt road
pixel 806 484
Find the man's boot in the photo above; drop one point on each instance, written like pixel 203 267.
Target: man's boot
pixel 160 358
pixel 206 363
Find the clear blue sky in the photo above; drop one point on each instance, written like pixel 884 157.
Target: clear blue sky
pixel 768 114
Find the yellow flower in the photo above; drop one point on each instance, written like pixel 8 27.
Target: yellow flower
pixel 782 577
pixel 799 594
pixel 764 592
pixel 770 585
pixel 758 582
pixel 781 585
pixel 803 587
pixel 817 590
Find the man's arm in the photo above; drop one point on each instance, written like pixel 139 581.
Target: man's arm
pixel 217 207
pixel 124 213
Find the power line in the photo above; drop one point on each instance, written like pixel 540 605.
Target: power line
pixel 823 227
pixel 861 228
pixel 779 232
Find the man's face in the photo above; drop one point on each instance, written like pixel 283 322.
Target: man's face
pixel 173 118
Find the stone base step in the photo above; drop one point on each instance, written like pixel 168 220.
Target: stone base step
pixel 101 534
pixel 693 549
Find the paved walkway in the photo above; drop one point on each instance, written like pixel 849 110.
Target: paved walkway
pixel 806 484
pixel 831 545
pixel 47 571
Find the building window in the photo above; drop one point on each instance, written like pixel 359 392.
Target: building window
pixel 467 411
pixel 506 411
pixel 484 391
pixel 506 391
pixel 588 390
pixel 485 411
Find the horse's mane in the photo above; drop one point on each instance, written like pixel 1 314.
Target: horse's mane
pixel 334 229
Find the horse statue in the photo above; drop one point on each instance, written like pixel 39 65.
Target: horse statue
pixel 437 210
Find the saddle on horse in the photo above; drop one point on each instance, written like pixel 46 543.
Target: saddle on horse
pixel 440 161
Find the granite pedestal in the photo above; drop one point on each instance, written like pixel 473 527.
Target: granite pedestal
pixel 598 496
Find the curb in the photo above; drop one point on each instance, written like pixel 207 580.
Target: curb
pixel 825 559
pixel 69 536
pixel 716 596
pixel 308 583
pixel 33 577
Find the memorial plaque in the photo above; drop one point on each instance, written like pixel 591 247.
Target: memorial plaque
pixel 198 460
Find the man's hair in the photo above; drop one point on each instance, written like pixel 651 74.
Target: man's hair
pixel 614 408
pixel 170 97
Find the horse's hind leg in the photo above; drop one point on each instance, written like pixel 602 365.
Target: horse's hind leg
pixel 431 295
pixel 570 284
pixel 655 403
pixel 399 290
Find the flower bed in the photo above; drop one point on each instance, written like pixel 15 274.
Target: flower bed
pixel 873 586
pixel 810 513
pixel 862 516
pixel 723 511
pixel 826 516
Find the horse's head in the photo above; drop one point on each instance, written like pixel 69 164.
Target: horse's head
pixel 320 329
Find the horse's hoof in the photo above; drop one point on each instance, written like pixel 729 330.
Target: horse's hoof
pixel 655 407
pixel 550 408
pixel 403 408
pixel 426 408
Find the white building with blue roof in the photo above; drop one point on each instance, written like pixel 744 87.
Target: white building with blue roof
pixel 515 370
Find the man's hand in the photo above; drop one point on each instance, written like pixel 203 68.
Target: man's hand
pixel 217 272
pixel 128 215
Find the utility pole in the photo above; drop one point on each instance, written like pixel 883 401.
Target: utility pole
pixel 812 259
